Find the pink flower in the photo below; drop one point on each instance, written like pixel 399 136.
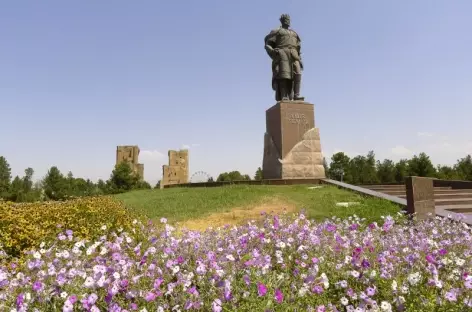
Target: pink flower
pixel 279 296
pixel 261 289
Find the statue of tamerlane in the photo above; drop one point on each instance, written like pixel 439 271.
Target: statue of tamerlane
pixel 283 47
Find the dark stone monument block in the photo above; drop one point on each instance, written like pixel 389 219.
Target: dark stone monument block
pixel 420 197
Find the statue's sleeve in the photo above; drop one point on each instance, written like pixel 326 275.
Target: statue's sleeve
pixel 269 43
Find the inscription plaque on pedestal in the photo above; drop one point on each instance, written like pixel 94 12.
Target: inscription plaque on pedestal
pixel 292 147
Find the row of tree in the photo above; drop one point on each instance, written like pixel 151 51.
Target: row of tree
pixel 57 186
pixel 366 169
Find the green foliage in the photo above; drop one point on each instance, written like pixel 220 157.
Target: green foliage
pixel 232 176
pixel 123 178
pixel 5 176
pixel 339 168
pixel 258 175
pixel 386 171
pixel 421 166
pixel 55 184
pixel 401 171
pixel 464 168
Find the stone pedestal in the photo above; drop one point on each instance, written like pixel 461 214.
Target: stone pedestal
pixel 292 148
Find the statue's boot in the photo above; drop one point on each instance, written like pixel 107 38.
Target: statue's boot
pixel 284 90
pixel 297 81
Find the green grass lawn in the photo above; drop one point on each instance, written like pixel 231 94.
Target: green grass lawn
pixel 182 204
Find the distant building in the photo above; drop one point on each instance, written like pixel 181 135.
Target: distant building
pixel 176 172
pixel 130 154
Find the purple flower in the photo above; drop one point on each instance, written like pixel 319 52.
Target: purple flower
pixel 133 306
pixel 37 286
pixel 150 296
pixel 158 282
pixel 370 291
pixel 246 280
pixel 451 296
pixel 261 289
pixel 216 305
pixel 69 232
pixel 279 296
pixel 19 300
pixel 318 289
pixel 321 308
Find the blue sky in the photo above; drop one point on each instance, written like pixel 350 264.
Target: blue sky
pixel 78 78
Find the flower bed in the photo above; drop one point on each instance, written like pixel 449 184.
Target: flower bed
pixel 26 225
pixel 284 264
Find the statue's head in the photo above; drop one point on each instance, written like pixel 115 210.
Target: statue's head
pixel 285 20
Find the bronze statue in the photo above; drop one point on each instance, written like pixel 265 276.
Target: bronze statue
pixel 283 47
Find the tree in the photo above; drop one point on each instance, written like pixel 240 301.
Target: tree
pixel 158 185
pixel 401 171
pixel 16 190
pixel 210 180
pixel 357 167
pixel 232 176
pixel 28 180
pixel 123 178
pixel 5 177
pixel 55 184
pixel 386 171
pixel 258 174
pixel 447 173
pixel 421 166
pixel 463 167
pixel 339 168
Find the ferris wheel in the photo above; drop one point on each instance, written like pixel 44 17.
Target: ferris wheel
pixel 199 177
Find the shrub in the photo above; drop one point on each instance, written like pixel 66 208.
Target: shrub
pixel 24 225
pixel 283 265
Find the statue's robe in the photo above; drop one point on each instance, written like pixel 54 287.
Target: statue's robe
pixel 287 61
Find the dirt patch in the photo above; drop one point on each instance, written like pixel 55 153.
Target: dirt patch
pixel 239 215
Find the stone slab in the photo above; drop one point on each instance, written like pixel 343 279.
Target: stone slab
pixel 420 197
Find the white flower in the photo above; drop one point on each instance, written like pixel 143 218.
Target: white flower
pixel 281 245
pixel 175 269
pixel 104 227
pixel 302 291
pixel 414 278
pixel 355 274
pixel 394 285
pixel 344 301
pixel 163 220
pixel 37 255
pixel 373 273
pixel 230 257
pixel 89 282
pixel 42 245
pixel 28 296
pixel 63 295
pixel 160 309
pixel 460 262
pixel 385 306
pixel 116 275
pixel 135 221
